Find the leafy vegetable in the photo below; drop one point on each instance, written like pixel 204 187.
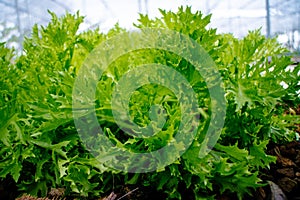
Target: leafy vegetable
pixel 40 146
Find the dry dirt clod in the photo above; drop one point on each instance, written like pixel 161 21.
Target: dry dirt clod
pixel 285 162
pixel 56 193
pixel 260 194
pixel 288 172
pixel 287 184
pixel 293 144
pixel 297 159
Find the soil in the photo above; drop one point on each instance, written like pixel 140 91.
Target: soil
pixel 283 176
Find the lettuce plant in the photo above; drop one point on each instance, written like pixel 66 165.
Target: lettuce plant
pixel 40 145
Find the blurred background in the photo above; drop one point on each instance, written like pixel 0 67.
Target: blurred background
pixel 279 18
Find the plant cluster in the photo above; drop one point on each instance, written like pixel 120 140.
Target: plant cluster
pixel 41 148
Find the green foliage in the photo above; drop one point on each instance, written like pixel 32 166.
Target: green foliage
pixel 253 70
pixel 40 146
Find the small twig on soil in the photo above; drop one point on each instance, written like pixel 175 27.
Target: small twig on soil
pixel 112 196
pixel 128 193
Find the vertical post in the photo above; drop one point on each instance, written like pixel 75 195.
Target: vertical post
pixel 207 7
pixel 140 6
pixel 143 6
pixel 268 18
pixel 29 21
pixel 18 22
pixel 146 6
pixel 229 19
